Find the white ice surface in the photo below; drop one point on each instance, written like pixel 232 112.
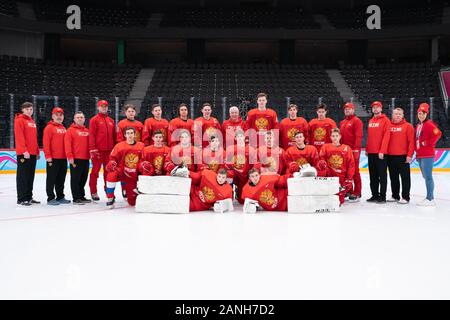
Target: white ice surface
pixel 364 251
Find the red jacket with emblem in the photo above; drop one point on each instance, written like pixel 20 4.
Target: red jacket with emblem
pixel 76 142
pixel 427 135
pixel 25 134
pixel 102 133
pixel 378 134
pixel 401 141
pixel 352 132
pixel 53 141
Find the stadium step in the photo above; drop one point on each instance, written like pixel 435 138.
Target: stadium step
pixel 140 86
pixel 346 92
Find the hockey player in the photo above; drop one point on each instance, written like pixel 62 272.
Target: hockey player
pixel 76 145
pixel 152 162
pixel 230 126
pixel 240 158
pixel 213 156
pixel 339 158
pixel 205 127
pixel 183 154
pixel 378 135
pixel 271 156
pixel 207 188
pixel 291 125
pixel 269 190
pixel 123 166
pixel 102 138
pixel 320 128
pixel 352 134
pixel 260 120
pixel 399 156
pixel 157 123
pixel 27 152
pixel 302 154
pixel 55 156
pixel 130 121
pixel 181 122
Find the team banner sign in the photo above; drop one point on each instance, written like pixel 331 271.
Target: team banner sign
pixel 8 161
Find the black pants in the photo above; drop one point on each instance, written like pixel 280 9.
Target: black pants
pixel 398 167
pixel 378 175
pixel 56 176
pixel 78 177
pixel 25 178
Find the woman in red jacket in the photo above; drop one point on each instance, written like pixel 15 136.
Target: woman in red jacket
pixel 427 135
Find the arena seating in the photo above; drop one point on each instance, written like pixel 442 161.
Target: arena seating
pixel 392 16
pixel 177 83
pixel 401 81
pixel 66 79
pixel 8 7
pixel 92 15
pixel 240 18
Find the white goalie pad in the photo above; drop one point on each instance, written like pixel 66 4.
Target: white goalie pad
pixel 164 185
pixel 313 186
pixel 250 206
pixel 222 206
pixel 313 204
pixel 162 203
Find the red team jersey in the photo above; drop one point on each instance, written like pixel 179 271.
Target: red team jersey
pixel 127 157
pixel 270 192
pixel 339 160
pixel 53 141
pixel 191 156
pixel 123 124
pixel 320 132
pixel 205 129
pixel 262 120
pixel 229 126
pixel 156 156
pixel 150 126
pixel 178 124
pixel 303 156
pixel 272 160
pixel 289 128
pixel 205 190
pixel 212 160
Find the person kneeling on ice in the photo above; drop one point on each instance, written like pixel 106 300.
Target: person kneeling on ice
pixel 269 191
pixel 123 166
pixel 340 161
pixel 154 155
pixel 210 189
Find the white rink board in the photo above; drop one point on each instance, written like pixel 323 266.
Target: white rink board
pixel 308 186
pixel 313 204
pixel 164 185
pixel 162 203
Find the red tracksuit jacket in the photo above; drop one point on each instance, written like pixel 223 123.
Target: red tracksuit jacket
pixel 401 141
pixel 76 142
pixel 352 132
pixel 427 135
pixel 102 133
pixel 53 141
pixel 25 134
pixel 378 134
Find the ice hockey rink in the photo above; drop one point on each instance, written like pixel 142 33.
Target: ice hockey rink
pixel 88 252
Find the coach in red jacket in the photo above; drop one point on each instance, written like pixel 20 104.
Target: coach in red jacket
pixel 378 134
pixel 427 135
pixel 399 156
pixel 76 144
pixel 352 134
pixel 102 138
pixel 27 152
pixel 55 156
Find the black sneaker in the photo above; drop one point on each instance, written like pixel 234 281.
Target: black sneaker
pixel 124 194
pixel 95 197
pixel 381 200
pixel 34 202
pixel 352 198
pixel 372 199
pixel 24 203
pixel 110 203
pixel 84 200
pixel 78 202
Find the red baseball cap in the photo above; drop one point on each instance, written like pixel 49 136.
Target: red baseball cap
pixel 57 110
pixel 376 104
pixel 349 105
pixel 424 107
pixel 102 103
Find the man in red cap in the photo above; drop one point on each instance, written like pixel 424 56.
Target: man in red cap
pixel 352 134
pixel 378 135
pixel 27 152
pixel 55 155
pixel 102 138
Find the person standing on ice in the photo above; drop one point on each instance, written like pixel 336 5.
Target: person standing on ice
pixel 27 152
pixel 378 135
pixel 102 138
pixel 55 155
pixel 427 135
pixel 399 156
